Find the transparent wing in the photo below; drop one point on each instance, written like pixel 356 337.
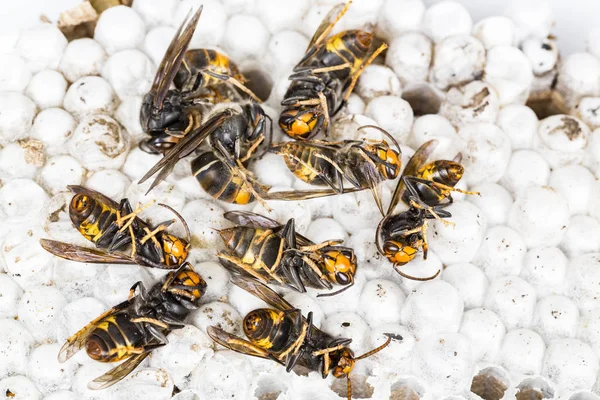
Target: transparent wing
pixel 93 194
pixel 328 23
pixel 117 373
pixel 306 194
pixel 84 254
pixel 365 176
pixel 246 218
pixel 238 344
pixel 173 57
pixel 263 292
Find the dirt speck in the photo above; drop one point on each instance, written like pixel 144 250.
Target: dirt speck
pixel 34 152
pixel 110 144
pixel 53 217
pixel 570 127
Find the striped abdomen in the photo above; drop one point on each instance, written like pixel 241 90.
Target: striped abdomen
pixel 115 338
pixel 270 329
pixel 305 121
pixel 442 171
pixel 347 47
pixel 256 247
pixel 302 160
pixel 195 61
pixel 91 217
pixel 216 179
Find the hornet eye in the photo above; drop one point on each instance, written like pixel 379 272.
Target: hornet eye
pixel 390 247
pixel 391 171
pixel 342 278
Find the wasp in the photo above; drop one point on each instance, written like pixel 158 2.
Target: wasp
pixel 233 131
pixel 283 335
pixel 273 253
pixel 365 164
pixel 113 227
pixel 399 237
pixel 135 327
pixel 427 189
pixel 325 77
pixel 234 134
pixel 428 185
pixel 201 77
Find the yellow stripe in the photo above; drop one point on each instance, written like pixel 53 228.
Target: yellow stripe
pixel 207 166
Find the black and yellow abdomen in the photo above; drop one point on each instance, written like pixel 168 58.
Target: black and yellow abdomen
pixel 444 172
pixel 347 47
pixel 217 179
pixel 190 76
pixel 303 161
pixel 256 247
pixel 115 338
pixel 91 217
pixel 304 120
pixel 269 329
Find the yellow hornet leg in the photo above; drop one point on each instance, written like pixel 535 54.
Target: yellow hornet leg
pixel 320 245
pixel 435 215
pixel 362 67
pixel 131 216
pixel 453 189
pixel 152 235
pixel 330 69
pixel 151 321
pixel 252 148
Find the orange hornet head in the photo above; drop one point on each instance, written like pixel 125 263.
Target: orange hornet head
pixel 399 253
pixel 340 265
pixel 344 364
pixel 387 159
pixel 187 283
pixel 174 249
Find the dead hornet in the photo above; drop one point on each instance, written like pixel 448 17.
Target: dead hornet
pixel 365 164
pixel 325 77
pixel 428 184
pixel 113 227
pixel 427 189
pixel 234 131
pixel 132 329
pixel 283 335
pixel 201 77
pixel 273 253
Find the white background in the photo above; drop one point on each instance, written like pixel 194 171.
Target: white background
pixel 574 18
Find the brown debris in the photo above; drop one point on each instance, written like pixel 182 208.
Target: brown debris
pixel 34 152
pixel 80 21
pixel 404 393
pixel 529 394
pixel 488 387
